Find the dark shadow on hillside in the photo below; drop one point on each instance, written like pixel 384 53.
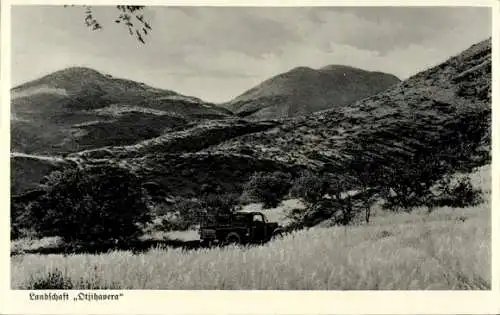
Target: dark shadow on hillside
pixel 135 247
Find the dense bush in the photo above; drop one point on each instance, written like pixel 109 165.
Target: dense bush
pixel 53 280
pixel 457 193
pixel 325 198
pixel 16 220
pixel 268 188
pixel 309 187
pixel 95 204
pixel 466 194
pixel 189 212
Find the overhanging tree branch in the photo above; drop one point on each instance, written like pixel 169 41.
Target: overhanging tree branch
pixel 131 17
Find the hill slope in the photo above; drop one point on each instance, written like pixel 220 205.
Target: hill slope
pixel 304 90
pixel 79 108
pixel 449 103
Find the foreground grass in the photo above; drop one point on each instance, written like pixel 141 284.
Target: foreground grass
pixel 449 249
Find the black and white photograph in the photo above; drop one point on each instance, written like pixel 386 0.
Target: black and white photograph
pixel 325 148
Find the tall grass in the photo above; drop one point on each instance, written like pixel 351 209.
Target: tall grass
pixel 449 249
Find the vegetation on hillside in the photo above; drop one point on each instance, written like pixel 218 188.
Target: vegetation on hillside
pixel 268 188
pixel 103 205
pixel 428 111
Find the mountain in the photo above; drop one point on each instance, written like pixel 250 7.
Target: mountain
pixel 437 104
pixel 80 108
pixel 304 90
pixel 439 109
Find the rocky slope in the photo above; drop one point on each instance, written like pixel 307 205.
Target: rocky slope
pixel 304 90
pixel 435 110
pixel 80 108
pixel 405 118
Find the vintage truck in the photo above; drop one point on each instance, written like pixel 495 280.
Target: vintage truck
pixel 238 228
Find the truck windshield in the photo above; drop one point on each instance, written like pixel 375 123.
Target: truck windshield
pixel 258 218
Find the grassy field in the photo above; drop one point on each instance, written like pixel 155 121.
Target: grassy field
pixel 440 251
pixel 448 249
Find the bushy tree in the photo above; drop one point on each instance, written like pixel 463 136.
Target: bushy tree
pixel 457 192
pixel 20 222
pixel 362 174
pixel 309 187
pixel 465 193
pixel 407 185
pixel 189 212
pixel 93 204
pixel 268 188
pixel 322 194
pixel 16 212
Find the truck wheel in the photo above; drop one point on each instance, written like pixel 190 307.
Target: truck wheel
pixel 233 238
pixel 206 244
pixel 277 235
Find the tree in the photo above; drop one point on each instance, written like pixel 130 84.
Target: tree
pixel 322 193
pixel 424 180
pixel 268 188
pixel 410 183
pixel 363 174
pixel 131 17
pixel 188 212
pixel 94 204
pixel 457 192
pixel 309 187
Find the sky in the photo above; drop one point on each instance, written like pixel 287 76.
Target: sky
pixel 217 53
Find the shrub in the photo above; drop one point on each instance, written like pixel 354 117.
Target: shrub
pixel 216 205
pixel 314 214
pixel 465 193
pixel 185 213
pixel 322 194
pixel 189 212
pixel 95 204
pixel 268 188
pixel 459 193
pixel 56 280
pixel 17 220
pixel 309 187
pixel 53 280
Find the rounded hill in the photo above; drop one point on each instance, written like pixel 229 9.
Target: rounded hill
pixel 304 90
